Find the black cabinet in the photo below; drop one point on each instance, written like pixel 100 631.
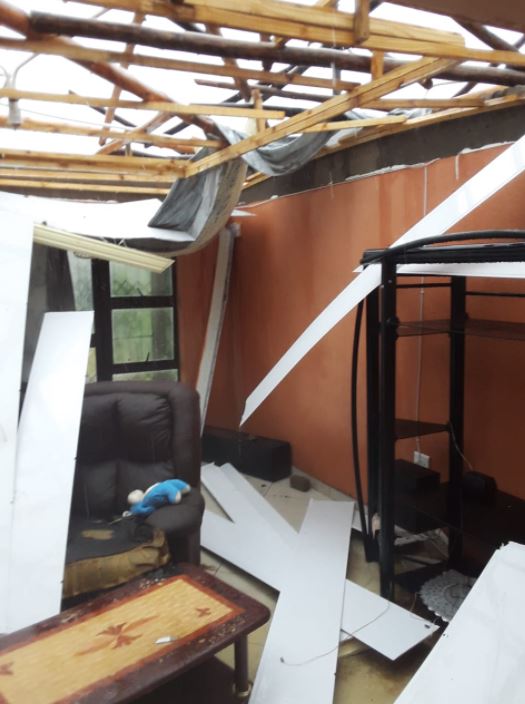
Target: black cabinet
pixel 399 492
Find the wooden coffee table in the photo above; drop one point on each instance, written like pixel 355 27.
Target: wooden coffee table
pixel 107 650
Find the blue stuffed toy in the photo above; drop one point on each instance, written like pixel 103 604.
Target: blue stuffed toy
pixel 143 503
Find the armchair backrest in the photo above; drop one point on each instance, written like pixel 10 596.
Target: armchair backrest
pixel 133 434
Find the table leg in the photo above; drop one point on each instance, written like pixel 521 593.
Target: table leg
pixel 242 684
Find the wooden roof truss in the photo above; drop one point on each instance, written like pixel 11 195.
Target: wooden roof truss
pixel 377 49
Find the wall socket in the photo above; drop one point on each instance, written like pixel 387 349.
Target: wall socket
pixel 421 459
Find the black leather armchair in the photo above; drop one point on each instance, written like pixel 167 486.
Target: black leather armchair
pixel 132 435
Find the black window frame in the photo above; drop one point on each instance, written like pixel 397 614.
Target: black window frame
pixel 104 304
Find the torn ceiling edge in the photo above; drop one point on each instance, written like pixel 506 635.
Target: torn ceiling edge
pixel 368 174
pixel 484 184
pixel 424 144
pixel 261 542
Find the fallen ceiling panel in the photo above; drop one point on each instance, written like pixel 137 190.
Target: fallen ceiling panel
pixel 479 657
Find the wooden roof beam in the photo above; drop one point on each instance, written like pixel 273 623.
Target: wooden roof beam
pixel 219 46
pixel 324 112
pixel 157 106
pixel 18 20
pixel 77 52
pixel 115 31
pixel 173 168
pixel 109 178
pixel 51 127
pixel 25 184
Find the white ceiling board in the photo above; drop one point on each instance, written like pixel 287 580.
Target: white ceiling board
pixel 488 181
pixel 120 221
pixel 491 270
pixel 479 658
pixel 381 624
pixel 16 242
pixel 243 502
pixel 259 533
pixel 45 464
pixel 299 660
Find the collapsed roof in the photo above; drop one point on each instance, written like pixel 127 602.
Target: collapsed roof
pixel 178 70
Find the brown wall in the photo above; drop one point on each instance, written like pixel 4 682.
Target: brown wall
pixel 291 260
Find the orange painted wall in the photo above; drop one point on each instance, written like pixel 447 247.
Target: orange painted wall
pixel 291 260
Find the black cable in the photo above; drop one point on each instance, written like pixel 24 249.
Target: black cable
pixel 353 413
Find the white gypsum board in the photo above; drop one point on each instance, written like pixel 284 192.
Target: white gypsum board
pixel 120 221
pixel 479 188
pixel 243 503
pixel 479 658
pixel 16 243
pixel 250 550
pixel 45 464
pixel 299 660
pixel 392 632
pixel 492 270
pixel 381 624
pixel 219 299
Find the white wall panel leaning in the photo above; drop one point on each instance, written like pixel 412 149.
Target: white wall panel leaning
pixel 45 464
pixel 16 241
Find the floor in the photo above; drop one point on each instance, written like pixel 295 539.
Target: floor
pixel 363 676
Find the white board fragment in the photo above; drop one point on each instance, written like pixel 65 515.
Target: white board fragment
pixel 254 540
pixel 219 298
pixel 16 241
pixel 45 463
pixel 299 660
pixel 479 658
pixel 488 181
pixel 119 221
pixel 381 624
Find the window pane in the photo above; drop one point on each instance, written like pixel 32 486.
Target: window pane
pixel 131 281
pixel 91 374
pixel 142 334
pixel 164 375
pixel 82 286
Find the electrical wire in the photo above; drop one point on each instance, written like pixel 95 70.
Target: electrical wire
pixel 353 413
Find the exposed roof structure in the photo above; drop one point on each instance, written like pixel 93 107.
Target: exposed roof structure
pixel 177 68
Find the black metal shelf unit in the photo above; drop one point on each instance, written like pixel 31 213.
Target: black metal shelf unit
pixel 392 484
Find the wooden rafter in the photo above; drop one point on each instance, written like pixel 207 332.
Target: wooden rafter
pixel 44 46
pixel 157 106
pixel 324 112
pixel 109 178
pixel 180 145
pixel 285 19
pixel 105 163
pixel 65 185
pixel 44 22
pixel 16 19
pixel 138 18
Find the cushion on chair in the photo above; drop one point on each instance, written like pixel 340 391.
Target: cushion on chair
pixel 101 555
